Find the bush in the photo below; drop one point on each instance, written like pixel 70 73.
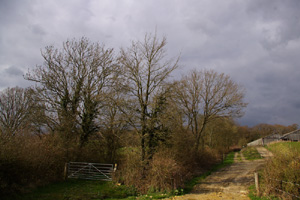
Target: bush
pixel 166 171
pixel 26 161
pixel 165 174
pixel 195 163
pixel 162 173
pixel 131 170
pixel 282 172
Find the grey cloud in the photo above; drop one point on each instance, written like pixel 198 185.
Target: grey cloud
pixel 256 42
pixel 11 77
pixel 37 29
pixel 15 71
pixel 278 21
pixel 296 104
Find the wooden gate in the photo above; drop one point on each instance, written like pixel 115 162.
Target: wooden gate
pixel 91 171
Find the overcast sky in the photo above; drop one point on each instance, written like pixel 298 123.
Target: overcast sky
pixel 255 42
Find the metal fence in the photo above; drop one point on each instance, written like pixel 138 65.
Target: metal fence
pixel 90 171
pixel 279 186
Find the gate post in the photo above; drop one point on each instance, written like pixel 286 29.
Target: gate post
pixel 66 171
pixel 256 183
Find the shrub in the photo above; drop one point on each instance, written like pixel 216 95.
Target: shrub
pixel 165 174
pixel 26 161
pixel 162 173
pixel 282 173
pixel 131 170
pixel 166 171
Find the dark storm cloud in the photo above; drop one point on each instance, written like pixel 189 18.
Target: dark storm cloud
pixel 275 77
pixel 256 42
pixel 279 21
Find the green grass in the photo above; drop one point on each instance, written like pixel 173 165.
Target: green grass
pixel 252 195
pixel 284 146
pixel 78 189
pixel 239 158
pixel 196 180
pixel 251 153
pixel 86 190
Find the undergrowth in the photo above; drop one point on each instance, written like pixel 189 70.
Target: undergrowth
pixel 252 195
pixel 282 172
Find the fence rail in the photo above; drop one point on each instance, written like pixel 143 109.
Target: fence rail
pixel 90 171
pixel 278 189
pixel 284 181
pixel 283 191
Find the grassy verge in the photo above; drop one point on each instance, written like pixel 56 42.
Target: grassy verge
pixel 282 170
pixel 78 189
pixel 252 195
pixel 251 153
pixel 284 146
pixel 86 190
pixel 196 180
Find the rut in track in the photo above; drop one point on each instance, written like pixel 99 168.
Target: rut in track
pixel 230 182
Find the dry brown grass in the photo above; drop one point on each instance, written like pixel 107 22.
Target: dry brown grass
pixel 282 173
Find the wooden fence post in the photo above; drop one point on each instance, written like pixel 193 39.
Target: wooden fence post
pixel 66 171
pixel 256 183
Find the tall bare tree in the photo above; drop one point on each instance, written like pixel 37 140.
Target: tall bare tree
pixel 16 106
pixel 206 95
pixel 72 82
pixel 146 70
pixel 113 121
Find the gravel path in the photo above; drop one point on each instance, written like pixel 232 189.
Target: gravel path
pixel 231 182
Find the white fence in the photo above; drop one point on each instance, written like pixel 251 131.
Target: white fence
pixel 90 171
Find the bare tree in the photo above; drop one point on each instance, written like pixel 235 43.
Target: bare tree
pixel 16 106
pixel 221 134
pixel 146 70
pixel 113 121
pixel 206 95
pixel 72 82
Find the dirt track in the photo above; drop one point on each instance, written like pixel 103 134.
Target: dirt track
pixel 229 183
